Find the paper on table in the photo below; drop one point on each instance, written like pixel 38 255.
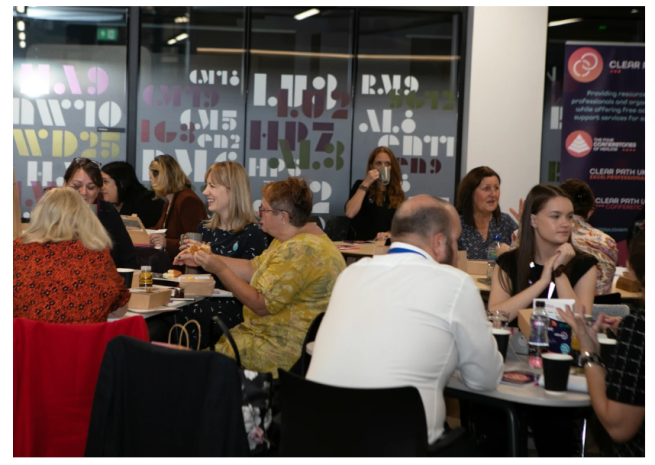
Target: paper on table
pixel 221 293
pixel 156 231
pixel 576 383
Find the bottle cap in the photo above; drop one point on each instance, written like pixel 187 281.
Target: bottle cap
pixel 540 304
pixel 496 238
pixel 145 268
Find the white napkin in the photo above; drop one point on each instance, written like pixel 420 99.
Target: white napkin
pixel 156 231
pixel 577 383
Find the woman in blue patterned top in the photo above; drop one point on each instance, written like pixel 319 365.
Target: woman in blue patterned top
pixel 480 215
pixel 232 231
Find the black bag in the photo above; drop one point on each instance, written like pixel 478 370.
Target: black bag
pixel 256 399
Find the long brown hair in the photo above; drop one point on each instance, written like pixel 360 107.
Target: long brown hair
pixel 394 189
pixel 467 186
pixel 169 176
pixel 537 199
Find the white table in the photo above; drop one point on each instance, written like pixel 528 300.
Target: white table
pixel 171 307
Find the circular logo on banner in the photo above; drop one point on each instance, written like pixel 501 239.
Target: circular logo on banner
pixel 585 64
pixel 579 144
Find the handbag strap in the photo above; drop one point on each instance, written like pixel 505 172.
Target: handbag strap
pixel 226 331
pixel 199 331
pixel 184 333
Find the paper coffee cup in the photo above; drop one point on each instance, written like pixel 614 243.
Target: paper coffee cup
pixel 502 340
pixel 556 372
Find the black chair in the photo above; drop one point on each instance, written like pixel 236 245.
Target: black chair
pixel 326 421
pixel 336 228
pixel 316 219
pixel 608 299
pixel 302 364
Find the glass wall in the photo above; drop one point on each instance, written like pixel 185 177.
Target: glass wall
pixel 69 97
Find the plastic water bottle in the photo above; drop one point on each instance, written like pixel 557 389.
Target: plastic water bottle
pixel 492 255
pixel 538 334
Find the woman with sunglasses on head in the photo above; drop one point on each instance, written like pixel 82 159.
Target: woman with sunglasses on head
pixel 232 231
pixel 183 209
pixel 122 188
pixel 285 287
pixel 372 204
pixel 85 177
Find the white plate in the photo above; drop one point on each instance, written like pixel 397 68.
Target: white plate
pixel 222 293
pixel 156 231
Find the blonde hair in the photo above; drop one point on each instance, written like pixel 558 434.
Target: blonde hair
pixel 233 176
pixel 168 176
pixel 62 215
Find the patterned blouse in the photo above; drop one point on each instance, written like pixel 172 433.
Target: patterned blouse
pixel 595 242
pixel 296 278
pixel 476 247
pixel 64 282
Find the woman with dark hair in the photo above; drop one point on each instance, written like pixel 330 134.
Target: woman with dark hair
pixel 121 187
pixel 479 212
pixel 284 288
pixel 372 204
pixel 83 175
pixel 618 388
pixel 545 265
pixel 183 209
pixel 588 239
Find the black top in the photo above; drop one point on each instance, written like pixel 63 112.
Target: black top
pixel 122 252
pixel 371 219
pixel 578 266
pixel 626 376
pixel 154 401
pixel 471 240
pixel 247 243
pixel 142 204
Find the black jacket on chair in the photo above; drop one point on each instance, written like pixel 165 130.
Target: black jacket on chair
pixel 160 402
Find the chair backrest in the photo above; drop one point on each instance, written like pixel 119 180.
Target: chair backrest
pixel 327 421
pixel 336 228
pixel 153 401
pixel 55 373
pixel 309 337
pixel 316 219
pixel 610 310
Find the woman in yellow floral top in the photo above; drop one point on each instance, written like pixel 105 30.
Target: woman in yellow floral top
pixel 290 283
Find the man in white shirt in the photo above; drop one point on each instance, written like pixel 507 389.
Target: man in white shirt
pixel 409 317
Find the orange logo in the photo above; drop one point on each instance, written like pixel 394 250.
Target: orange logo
pixel 585 64
pixel 579 144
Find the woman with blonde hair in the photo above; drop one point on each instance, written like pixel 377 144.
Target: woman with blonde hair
pixel 372 203
pixel 63 271
pixel 183 209
pixel 232 231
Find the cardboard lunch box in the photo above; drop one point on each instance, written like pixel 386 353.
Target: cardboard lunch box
pixel 197 285
pixel 146 300
pixel 136 230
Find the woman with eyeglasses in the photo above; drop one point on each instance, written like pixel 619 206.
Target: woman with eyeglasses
pixel 63 271
pixel 85 177
pixel 122 188
pixel 372 203
pixel 285 287
pixel 232 231
pixel 183 209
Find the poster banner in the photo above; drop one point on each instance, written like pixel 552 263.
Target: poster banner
pixel 603 129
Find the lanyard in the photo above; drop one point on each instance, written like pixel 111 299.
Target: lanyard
pixel 401 250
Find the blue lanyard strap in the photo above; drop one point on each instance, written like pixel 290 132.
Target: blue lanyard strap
pixel 401 250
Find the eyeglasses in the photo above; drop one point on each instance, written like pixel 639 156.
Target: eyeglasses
pixel 262 210
pixel 83 161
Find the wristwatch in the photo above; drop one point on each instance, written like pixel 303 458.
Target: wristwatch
pixel 589 359
pixel 363 187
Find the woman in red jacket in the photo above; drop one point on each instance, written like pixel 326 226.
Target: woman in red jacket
pixel 183 209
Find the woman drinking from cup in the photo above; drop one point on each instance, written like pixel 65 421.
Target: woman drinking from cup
pixel 121 187
pixel 617 386
pixel 285 287
pixel 374 200
pixel 545 265
pixel 83 175
pixel 63 271
pixel 232 231
pixel 479 212
pixel 183 209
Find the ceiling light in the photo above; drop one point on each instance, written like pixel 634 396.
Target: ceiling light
pixel 21 44
pixel 182 36
pixel 20 9
pixel 21 36
pixel 307 14
pixel 172 41
pixel 564 21
pixel 20 25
